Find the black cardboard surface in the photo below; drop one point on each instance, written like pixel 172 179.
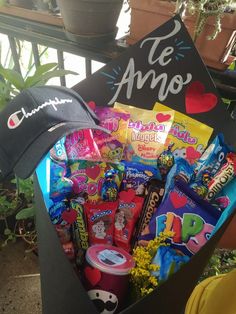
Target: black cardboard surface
pixel 62 292
pixel 130 79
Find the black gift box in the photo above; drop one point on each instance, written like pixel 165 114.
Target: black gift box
pixel 161 67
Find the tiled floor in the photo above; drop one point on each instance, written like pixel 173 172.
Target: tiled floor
pixel 19 280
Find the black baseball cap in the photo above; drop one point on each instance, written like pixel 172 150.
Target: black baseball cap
pixel 34 121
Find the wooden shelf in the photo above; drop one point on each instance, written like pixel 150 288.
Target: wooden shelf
pixel 32 15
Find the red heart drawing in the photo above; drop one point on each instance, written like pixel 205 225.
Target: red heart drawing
pixel 163 117
pixel 197 101
pixel 93 172
pixel 192 153
pixel 93 275
pixel 92 105
pixel 69 216
pixel 127 196
pixel 177 200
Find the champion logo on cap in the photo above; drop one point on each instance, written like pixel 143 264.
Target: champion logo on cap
pixel 17 117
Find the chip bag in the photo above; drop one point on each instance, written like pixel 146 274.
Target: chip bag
pixel 147 133
pixel 190 137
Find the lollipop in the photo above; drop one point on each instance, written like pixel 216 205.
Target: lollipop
pixel 165 161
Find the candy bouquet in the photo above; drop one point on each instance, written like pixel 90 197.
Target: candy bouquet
pixel 132 206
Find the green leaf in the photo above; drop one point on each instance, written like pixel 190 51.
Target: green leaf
pixel 26 213
pixel 12 76
pixel 41 69
pixel 42 79
pixel 7 232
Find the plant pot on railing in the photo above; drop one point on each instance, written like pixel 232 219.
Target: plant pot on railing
pixel 90 19
pixel 146 15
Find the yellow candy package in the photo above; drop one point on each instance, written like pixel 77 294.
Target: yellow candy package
pixel 189 136
pixel 147 134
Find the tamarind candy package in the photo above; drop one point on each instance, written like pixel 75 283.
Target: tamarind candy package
pixel 154 195
pixel 79 231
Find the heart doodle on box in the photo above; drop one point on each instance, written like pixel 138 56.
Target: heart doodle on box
pixel 197 101
pixel 93 172
pixel 93 275
pixel 69 216
pixel 127 196
pixel 192 153
pixel 163 117
pixel 177 200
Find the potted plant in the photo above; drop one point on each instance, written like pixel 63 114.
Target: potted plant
pixel 90 19
pixel 16 196
pixel 211 23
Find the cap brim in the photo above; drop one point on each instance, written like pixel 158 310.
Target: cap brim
pixel 31 157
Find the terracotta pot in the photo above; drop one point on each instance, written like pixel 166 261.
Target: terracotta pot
pixel 146 15
pixel 90 17
pixel 27 4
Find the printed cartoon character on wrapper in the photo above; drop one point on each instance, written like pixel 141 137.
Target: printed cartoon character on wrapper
pixel 147 133
pixel 106 277
pixel 100 221
pixel 189 136
pixel 191 218
pixel 127 215
pixel 88 177
pixel 111 146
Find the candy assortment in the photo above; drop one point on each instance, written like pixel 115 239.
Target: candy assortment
pixel 114 195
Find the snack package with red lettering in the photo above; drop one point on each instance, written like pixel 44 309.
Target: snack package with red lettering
pixel 100 222
pixel 88 177
pixel 111 146
pixel 183 212
pixel 128 212
pixel 81 145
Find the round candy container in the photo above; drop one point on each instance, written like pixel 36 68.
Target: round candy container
pixel 106 275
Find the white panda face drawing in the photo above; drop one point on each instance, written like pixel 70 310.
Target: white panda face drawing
pixel 105 302
pixel 179 152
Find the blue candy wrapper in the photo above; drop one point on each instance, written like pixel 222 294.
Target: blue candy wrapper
pixel 137 176
pixel 191 218
pixel 169 261
pixel 213 158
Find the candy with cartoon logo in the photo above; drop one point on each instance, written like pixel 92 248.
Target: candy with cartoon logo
pixel 106 276
pixel 88 177
pixel 129 209
pixel 136 176
pixel 111 146
pixel 190 137
pixel 147 133
pixel 165 161
pixel 110 188
pixel 100 221
pixel 191 218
